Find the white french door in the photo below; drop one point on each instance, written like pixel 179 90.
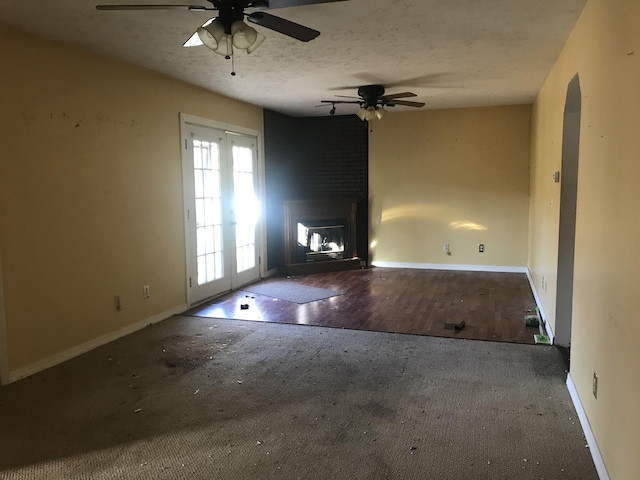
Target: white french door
pixel 221 210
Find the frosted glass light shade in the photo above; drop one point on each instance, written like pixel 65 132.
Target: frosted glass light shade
pixel 259 39
pixel 214 38
pixel 243 35
pixel 246 37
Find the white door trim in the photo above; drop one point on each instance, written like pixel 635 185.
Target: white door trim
pixel 187 120
pixel 4 353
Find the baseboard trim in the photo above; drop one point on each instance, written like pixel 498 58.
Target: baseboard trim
pixel 85 347
pixel 586 428
pixel 449 266
pixel 545 323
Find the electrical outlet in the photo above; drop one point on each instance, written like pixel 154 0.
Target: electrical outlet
pixel 145 291
pixel 544 284
pixel 595 385
pixel 481 247
pixel 117 304
pixel 446 248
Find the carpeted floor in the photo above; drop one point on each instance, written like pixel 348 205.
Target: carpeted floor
pixel 197 398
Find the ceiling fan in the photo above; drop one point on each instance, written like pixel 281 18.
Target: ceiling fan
pixel 372 101
pixel 228 30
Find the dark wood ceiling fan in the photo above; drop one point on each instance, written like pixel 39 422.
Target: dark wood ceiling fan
pixel 230 11
pixel 371 99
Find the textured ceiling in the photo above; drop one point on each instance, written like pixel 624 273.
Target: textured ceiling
pixel 451 53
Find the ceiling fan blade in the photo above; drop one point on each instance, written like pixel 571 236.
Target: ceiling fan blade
pixel 346 96
pixel 194 40
pixel 337 102
pixel 398 95
pixel 296 3
pixel 405 103
pixel 286 27
pixel 153 7
pixel 425 81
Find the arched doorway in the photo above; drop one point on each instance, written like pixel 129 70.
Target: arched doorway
pixel 568 206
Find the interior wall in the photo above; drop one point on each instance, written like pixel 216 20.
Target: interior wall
pixel 4 357
pixel 457 177
pixel 604 49
pixel 91 192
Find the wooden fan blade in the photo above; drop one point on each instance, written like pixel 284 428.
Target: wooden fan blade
pixel 153 7
pixel 346 96
pixel 286 27
pixel 398 95
pixel 405 103
pixel 338 102
pixel 295 3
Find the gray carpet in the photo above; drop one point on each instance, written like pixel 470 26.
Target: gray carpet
pixel 291 291
pixel 196 398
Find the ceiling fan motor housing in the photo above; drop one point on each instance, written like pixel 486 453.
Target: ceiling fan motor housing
pixel 371 94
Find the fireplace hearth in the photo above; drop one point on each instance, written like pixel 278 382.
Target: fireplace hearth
pixel 320 235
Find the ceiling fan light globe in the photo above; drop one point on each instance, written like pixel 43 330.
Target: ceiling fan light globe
pixel 226 46
pixel 362 114
pixel 213 37
pixel 380 113
pixel 370 113
pixel 243 35
pixel 207 39
pixel 259 39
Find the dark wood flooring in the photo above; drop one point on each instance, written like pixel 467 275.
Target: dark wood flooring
pixel 419 302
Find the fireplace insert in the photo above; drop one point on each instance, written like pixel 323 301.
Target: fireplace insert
pixel 319 236
pixel 320 241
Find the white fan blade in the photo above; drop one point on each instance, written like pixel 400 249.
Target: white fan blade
pixel 194 40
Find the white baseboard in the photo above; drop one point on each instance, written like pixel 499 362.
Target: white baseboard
pixel 85 347
pixel 545 323
pixel 448 266
pixel 586 428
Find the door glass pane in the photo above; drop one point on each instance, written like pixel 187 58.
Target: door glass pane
pixel 208 210
pixel 245 207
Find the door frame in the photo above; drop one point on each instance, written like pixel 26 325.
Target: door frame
pixel 4 352
pixel 185 121
pixel 570 165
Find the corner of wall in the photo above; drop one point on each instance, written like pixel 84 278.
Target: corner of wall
pixel 543 315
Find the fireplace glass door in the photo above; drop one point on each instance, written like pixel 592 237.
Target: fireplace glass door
pixel 318 241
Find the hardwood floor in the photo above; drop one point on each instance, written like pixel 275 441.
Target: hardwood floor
pixel 419 302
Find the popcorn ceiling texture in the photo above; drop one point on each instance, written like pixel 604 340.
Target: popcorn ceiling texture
pixel 459 53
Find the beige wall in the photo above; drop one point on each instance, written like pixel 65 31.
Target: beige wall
pixel 90 192
pixel 604 49
pixel 450 176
